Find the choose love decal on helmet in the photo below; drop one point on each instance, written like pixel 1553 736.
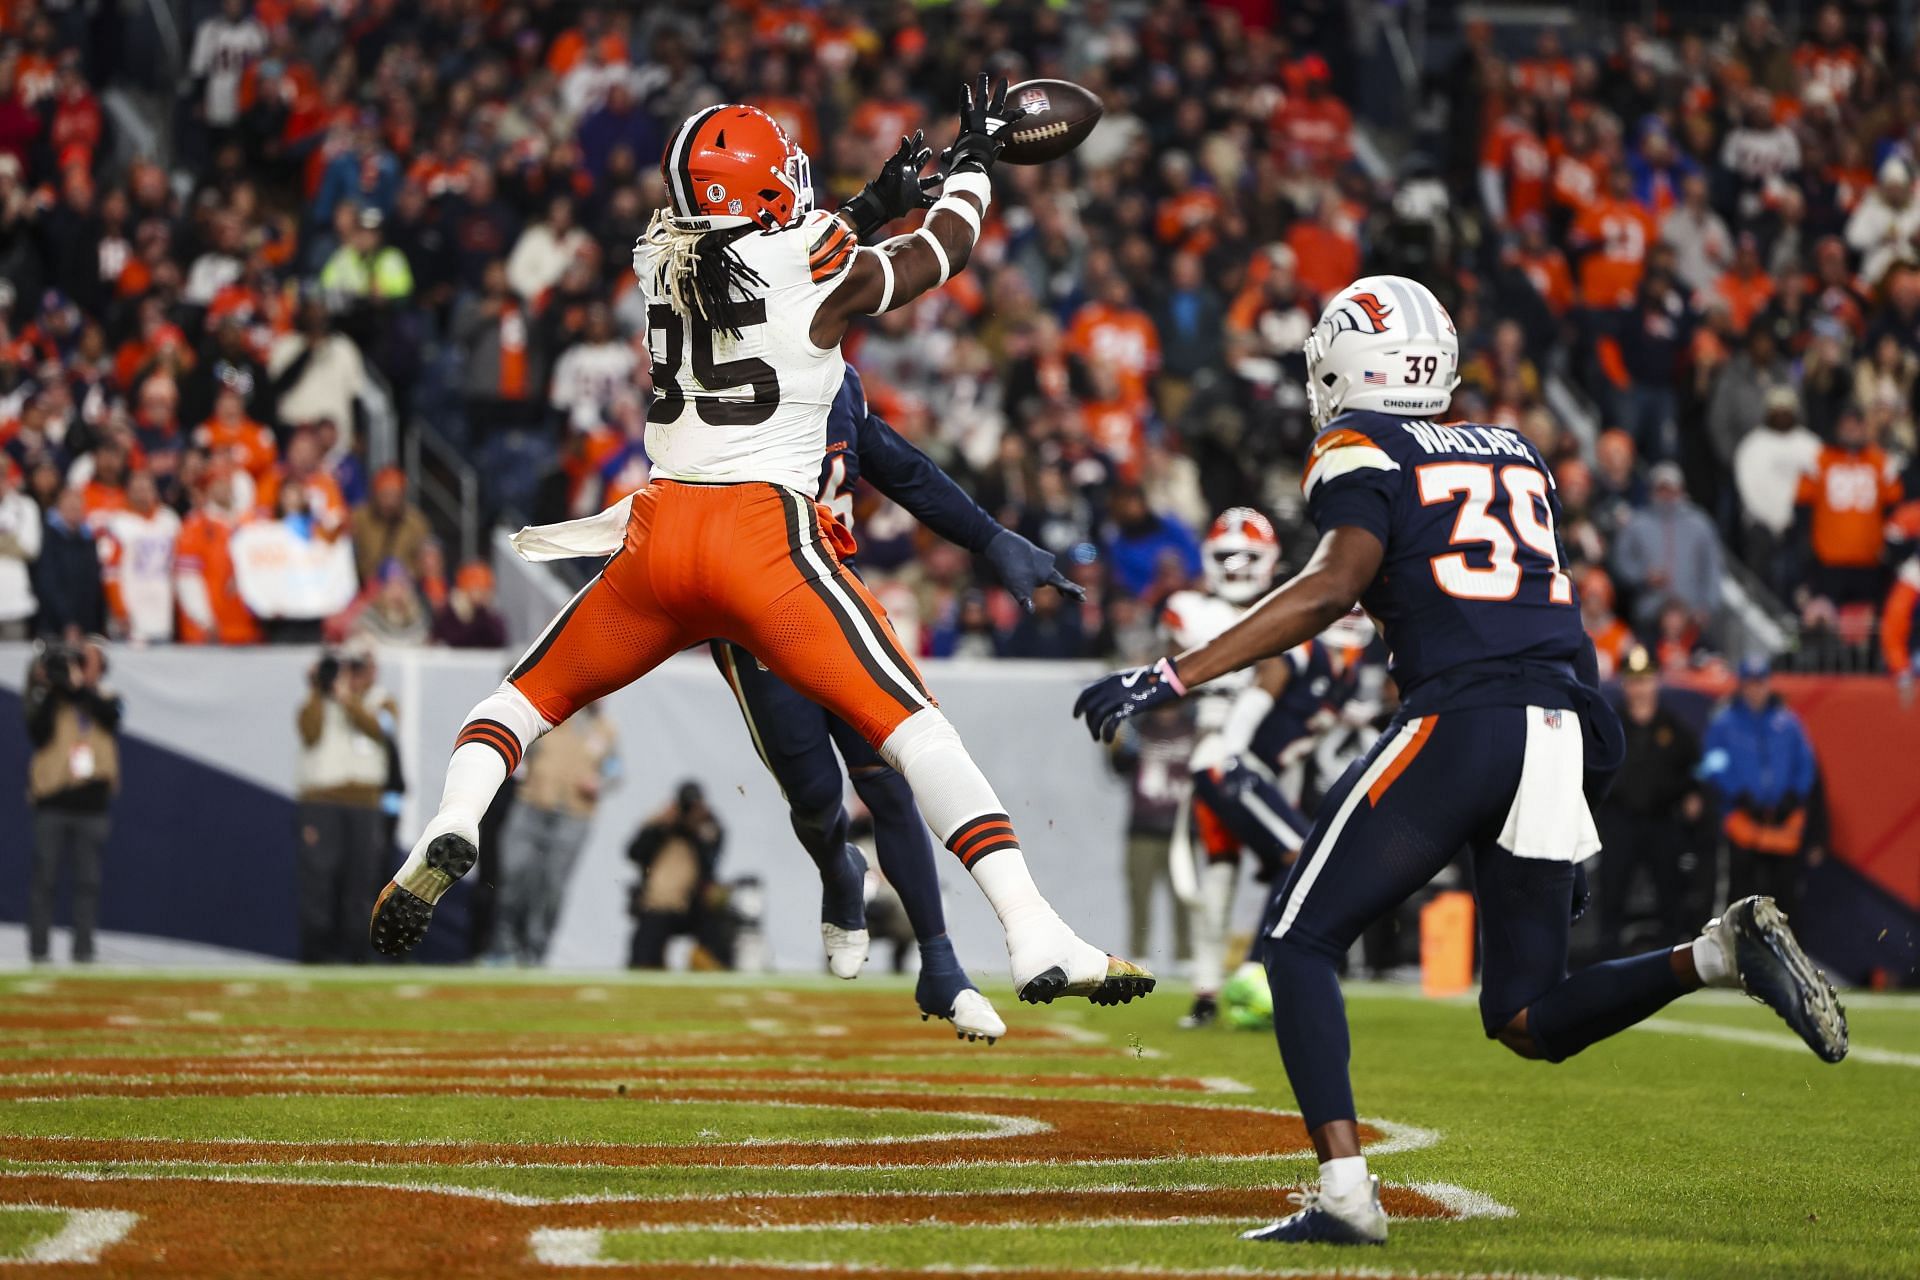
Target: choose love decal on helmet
pixel 1384 343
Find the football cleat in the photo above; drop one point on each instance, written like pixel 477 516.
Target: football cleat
pixel 843 913
pixel 405 907
pixel 1354 1219
pixel 846 949
pixel 1205 1012
pixel 1773 969
pixel 944 991
pixel 973 1017
pixel 1060 964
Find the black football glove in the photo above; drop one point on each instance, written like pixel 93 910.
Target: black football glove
pixel 983 117
pixel 1024 568
pixel 897 191
pixel 1109 702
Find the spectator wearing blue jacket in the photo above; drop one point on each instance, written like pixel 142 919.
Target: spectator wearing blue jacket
pixel 1761 768
pixel 1140 540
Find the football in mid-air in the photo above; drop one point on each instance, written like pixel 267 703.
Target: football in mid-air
pixel 1052 118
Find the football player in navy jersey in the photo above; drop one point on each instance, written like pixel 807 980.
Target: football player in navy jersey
pixel 796 737
pixel 1446 534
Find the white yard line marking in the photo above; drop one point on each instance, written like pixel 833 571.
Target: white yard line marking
pixel 593 995
pixel 86 1235
pixel 1771 1040
pixel 1464 1201
pixel 204 1016
pixel 569 1247
pixel 240 989
pixel 1224 1084
pixel 411 991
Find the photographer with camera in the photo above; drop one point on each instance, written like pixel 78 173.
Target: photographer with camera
pixel 72 721
pixel 342 774
pixel 677 851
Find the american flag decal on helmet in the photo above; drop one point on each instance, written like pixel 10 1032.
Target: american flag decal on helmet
pixel 1373 379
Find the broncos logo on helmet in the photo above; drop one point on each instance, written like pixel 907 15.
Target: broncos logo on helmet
pixel 1363 314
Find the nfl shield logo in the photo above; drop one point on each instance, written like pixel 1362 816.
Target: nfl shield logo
pixel 1550 716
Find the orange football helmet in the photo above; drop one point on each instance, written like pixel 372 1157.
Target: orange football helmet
pixel 733 165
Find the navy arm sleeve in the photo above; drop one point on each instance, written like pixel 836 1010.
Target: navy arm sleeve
pixel 913 480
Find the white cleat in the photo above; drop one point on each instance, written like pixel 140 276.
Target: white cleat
pixel 846 949
pixel 973 1018
pixel 1051 961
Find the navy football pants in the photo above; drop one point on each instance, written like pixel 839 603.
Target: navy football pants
pixel 1430 787
pixel 795 738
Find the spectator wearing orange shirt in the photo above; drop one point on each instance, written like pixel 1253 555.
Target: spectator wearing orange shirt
pixel 232 435
pixel 1515 165
pixel 1313 129
pixel 208 595
pixel 1828 60
pixel 106 489
pixel 1326 247
pixel 1746 287
pixel 1612 638
pixel 1846 498
pixel 1616 232
pixel 1544 266
pixel 303 470
pixel 1579 171
pixel 1115 332
pixel 885 117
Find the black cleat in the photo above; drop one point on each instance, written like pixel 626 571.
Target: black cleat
pixel 402 911
pixel 1775 971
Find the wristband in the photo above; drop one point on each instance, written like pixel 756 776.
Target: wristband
pixel 960 208
pixel 1169 676
pixel 939 251
pixel 969 182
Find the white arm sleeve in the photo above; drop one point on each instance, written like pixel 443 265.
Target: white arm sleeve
pixel 1250 707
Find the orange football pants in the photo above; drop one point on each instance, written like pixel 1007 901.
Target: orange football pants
pixel 753 563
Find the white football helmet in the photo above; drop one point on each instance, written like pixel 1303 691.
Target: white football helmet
pixel 1239 556
pixel 1384 343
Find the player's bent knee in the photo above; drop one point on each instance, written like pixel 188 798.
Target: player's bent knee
pixel 1516 1036
pixel 925 733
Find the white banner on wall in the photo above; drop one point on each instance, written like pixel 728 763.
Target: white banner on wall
pixel 234 710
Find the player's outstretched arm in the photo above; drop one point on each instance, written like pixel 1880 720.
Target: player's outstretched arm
pixel 896 271
pixel 928 494
pixel 1345 562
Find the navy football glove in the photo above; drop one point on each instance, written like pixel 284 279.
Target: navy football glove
pixel 897 191
pixel 1109 702
pixel 1024 568
pixel 1582 894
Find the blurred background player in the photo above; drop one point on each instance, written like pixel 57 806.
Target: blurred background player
pixel 1238 558
pixel 726 541
pixel 1448 532
pixel 795 738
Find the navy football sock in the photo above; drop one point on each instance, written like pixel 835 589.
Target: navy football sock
pixel 1596 1002
pixel 905 848
pixel 843 868
pixel 1310 1022
pixel 941 977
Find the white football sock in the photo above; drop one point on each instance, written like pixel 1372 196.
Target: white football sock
pixel 1343 1176
pixel 952 792
pixel 1712 963
pixel 477 770
pixel 1217 880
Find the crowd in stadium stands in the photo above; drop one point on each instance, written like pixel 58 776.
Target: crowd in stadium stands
pixel 1710 233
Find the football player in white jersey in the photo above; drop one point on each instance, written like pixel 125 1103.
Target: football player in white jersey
pixel 749 292
pixel 1238 559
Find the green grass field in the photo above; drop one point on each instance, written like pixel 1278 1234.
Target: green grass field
pixel 417 1123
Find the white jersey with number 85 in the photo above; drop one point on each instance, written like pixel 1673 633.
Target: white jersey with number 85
pixel 726 409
